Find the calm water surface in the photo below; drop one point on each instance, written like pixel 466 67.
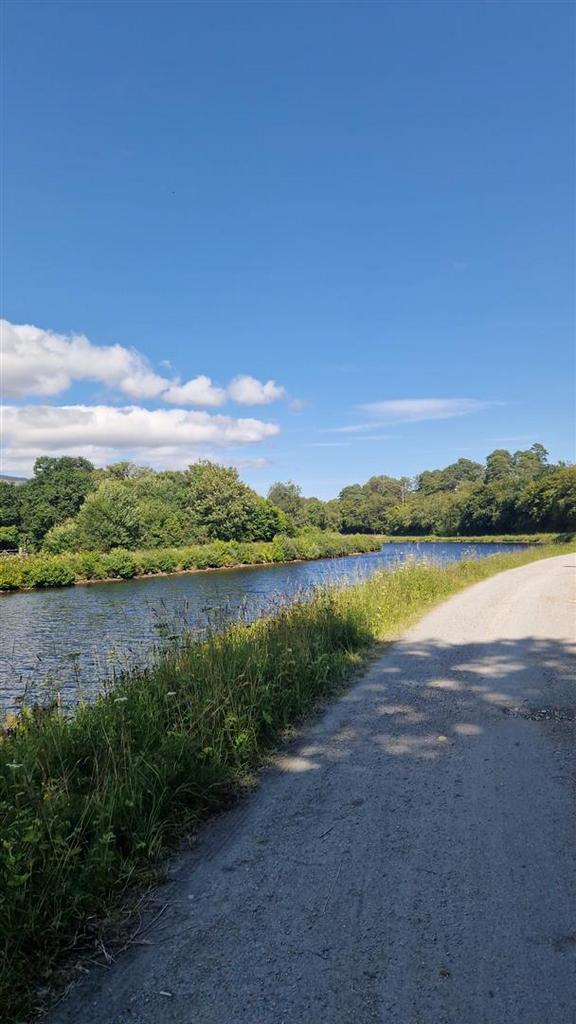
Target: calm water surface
pixel 73 639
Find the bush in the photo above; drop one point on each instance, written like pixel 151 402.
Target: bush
pixel 47 571
pixel 11 567
pixel 121 563
pixel 8 538
pixel 61 539
pixel 90 565
pixel 161 560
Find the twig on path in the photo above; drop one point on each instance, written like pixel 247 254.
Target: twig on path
pixel 333 886
pixel 328 830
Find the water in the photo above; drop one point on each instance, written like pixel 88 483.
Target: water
pixel 71 640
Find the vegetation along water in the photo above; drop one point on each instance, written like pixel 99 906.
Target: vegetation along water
pixel 70 640
pixel 90 801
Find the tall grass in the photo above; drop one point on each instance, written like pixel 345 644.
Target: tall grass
pixel 23 572
pixel 89 804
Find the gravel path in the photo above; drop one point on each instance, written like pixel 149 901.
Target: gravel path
pixel 410 860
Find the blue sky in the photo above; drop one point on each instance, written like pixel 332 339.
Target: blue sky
pixel 369 205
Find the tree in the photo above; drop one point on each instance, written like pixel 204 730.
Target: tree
pixel 451 478
pixel 289 498
pixel 222 507
pixel 109 518
pixel 55 493
pixel 10 502
pixel 549 502
pixel 315 513
pixel 499 467
pixel 530 464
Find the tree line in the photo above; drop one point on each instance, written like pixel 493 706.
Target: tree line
pixel 69 505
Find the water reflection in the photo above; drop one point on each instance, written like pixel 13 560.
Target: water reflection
pixel 71 640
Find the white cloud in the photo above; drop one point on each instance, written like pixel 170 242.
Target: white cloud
pixel 248 391
pixel 106 432
pixel 418 409
pixel 198 391
pixel 40 363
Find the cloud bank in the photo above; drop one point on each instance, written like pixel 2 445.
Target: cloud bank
pixel 103 433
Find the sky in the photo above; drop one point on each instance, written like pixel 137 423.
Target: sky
pixel 317 240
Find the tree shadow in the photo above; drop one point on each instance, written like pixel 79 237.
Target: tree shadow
pixel 408 859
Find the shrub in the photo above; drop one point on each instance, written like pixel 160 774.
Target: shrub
pixel 61 539
pixel 90 565
pixel 161 560
pixel 47 571
pixel 11 572
pixel 8 538
pixel 122 563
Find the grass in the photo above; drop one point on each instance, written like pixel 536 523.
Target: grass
pixel 91 803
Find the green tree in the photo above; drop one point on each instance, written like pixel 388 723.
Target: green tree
pixel 55 493
pixel 549 502
pixel 109 518
pixel 451 478
pixel 530 464
pixel 499 467
pixel 315 513
pixel 222 507
pixel 10 503
pixel 288 497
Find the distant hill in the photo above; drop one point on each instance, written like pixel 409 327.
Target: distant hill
pixel 12 479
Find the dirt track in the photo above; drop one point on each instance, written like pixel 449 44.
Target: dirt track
pixel 410 860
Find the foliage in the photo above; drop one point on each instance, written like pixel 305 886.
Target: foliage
pixel 70 506
pixel 44 570
pixel 451 478
pixel 55 493
pixel 10 504
pixel 8 538
pixel 90 803
pixel 224 508
pixel 109 518
pixel 61 538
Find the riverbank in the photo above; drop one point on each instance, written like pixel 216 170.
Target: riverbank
pixel 89 804
pixel 27 572
pixel 41 571
pixel 496 538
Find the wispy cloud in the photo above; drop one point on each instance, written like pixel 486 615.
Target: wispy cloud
pixel 328 444
pixel 413 410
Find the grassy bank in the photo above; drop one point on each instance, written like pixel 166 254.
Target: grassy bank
pixel 497 538
pixel 23 572
pixel 89 804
